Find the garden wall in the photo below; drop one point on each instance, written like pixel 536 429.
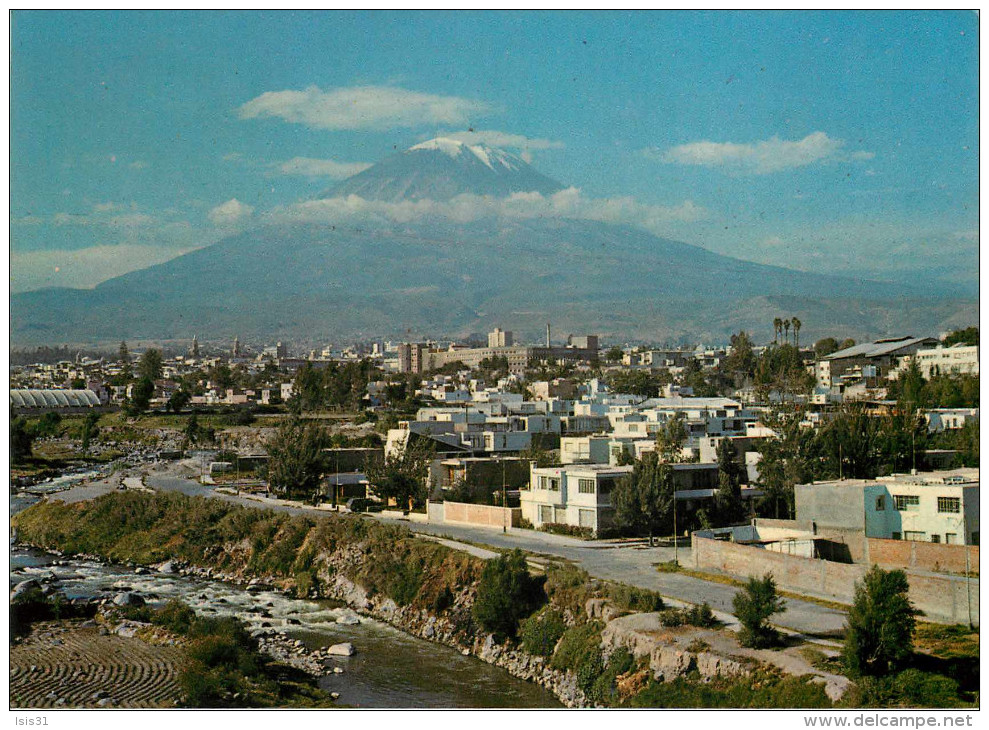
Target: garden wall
pixel 943 598
pixel 479 515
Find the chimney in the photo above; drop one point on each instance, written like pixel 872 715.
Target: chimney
pixel 547 334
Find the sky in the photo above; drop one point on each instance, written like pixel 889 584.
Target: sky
pixel 827 141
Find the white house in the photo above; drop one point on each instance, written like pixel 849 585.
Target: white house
pixel 576 495
pixel 958 359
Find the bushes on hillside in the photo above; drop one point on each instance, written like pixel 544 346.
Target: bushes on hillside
pixel 506 594
pixel 541 632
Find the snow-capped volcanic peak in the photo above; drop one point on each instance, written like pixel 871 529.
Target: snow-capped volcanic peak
pixel 454 148
pixel 442 169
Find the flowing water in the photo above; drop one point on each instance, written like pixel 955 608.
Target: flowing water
pixel 391 669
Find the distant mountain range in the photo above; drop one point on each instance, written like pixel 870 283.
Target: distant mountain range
pixel 437 277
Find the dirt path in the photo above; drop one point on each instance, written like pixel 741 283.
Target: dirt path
pixel 62 664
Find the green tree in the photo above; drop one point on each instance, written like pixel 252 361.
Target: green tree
pixel 643 500
pixel 21 439
pixel 126 372
pixel 614 354
pixel 77 383
pixel 179 400
pixel 506 594
pixel 846 343
pixel 741 361
pixel 967 336
pixel 786 459
pixel 754 605
pixel 296 461
pixel 48 425
pixel 141 396
pixel 728 499
pixel 402 475
pixel 824 347
pixel 150 365
pixel 89 429
pixel 881 622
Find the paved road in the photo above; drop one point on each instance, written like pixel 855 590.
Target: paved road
pixel 634 565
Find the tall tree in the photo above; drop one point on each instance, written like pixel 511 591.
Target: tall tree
pixel 786 328
pixel 402 475
pixel 150 365
pixel 881 622
pixel 643 500
pixel 126 371
pixel 296 461
pixel 21 439
pixel 728 499
pixel 777 329
pixel 143 391
pixel 796 331
pixel 967 336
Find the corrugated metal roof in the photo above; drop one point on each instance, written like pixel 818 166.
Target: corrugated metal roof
pixel 31 398
pixel 878 348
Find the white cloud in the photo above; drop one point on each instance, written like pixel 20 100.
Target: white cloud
pixel 310 167
pixel 362 107
pixel 84 267
pixel 233 211
pixel 569 203
pixel 100 217
pixel 760 158
pixel 495 138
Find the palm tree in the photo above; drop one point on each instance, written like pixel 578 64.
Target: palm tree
pixel 786 326
pixel 777 329
pixel 796 331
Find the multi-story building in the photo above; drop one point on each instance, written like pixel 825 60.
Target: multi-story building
pixel 940 507
pixel 958 359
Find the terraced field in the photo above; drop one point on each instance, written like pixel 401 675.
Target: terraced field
pixel 67 665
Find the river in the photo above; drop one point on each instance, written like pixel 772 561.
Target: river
pixel 390 670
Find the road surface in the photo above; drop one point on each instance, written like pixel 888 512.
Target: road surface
pixel 631 564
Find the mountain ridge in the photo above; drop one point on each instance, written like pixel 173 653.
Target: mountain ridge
pixel 436 275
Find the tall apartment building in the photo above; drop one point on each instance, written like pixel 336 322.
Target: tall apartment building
pixel 500 338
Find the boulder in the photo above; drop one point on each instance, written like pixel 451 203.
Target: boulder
pixel 595 607
pixel 344 649
pixel 23 587
pixel 168 567
pixel 128 599
pixel 348 619
pixel 668 662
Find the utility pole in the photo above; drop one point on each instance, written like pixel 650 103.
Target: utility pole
pixel 676 544
pixel 504 497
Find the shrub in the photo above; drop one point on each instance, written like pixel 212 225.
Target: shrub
pixel 753 606
pixel 636 600
pixel 558 528
pixel 671 617
pixel 603 690
pixel 506 594
pixel 568 588
pixel 881 623
pixel 541 632
pixel 443 600
pixel 579 651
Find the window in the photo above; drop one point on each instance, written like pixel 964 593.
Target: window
pixel 897 536
pixel 880 503
pixel 585 486
pixel 935 538
pixel 951 538
pixel 545 514
pixel 605 486
pixel 916 536
pixel 586 518
pixel 906 503
pixel 550 484
pixel 949 504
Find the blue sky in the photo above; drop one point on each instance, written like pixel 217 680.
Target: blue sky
pixel 829 141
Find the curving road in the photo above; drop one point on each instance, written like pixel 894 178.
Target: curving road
pixel 631 564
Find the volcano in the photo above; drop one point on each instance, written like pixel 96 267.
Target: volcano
pixel 412 276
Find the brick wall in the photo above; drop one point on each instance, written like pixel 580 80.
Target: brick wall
pixel 923 555
pixel 480 514
pixel 940 597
